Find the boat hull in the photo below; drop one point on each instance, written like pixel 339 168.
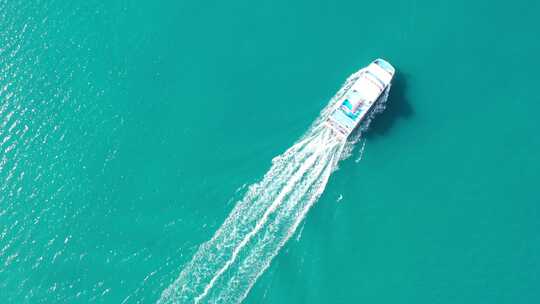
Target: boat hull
pixel 352 107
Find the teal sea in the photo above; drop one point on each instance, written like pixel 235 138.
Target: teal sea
pixel 130 130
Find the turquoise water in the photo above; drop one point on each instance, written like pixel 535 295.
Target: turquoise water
pixel 129 131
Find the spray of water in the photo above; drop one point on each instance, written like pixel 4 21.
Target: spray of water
pixel 224 269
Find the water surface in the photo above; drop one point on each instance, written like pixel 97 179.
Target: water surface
pixel 128 131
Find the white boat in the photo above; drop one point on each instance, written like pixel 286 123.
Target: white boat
pixel 360 97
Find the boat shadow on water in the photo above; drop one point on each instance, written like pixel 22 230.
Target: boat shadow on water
pixel 397 107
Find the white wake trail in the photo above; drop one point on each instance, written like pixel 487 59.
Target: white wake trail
pixel 261 251
pixel 213 257
pixel 288 187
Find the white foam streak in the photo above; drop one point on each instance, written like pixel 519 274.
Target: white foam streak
pixel 284 226
pixel 289 187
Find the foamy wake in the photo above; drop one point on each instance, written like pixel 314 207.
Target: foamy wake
pixel 224 269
